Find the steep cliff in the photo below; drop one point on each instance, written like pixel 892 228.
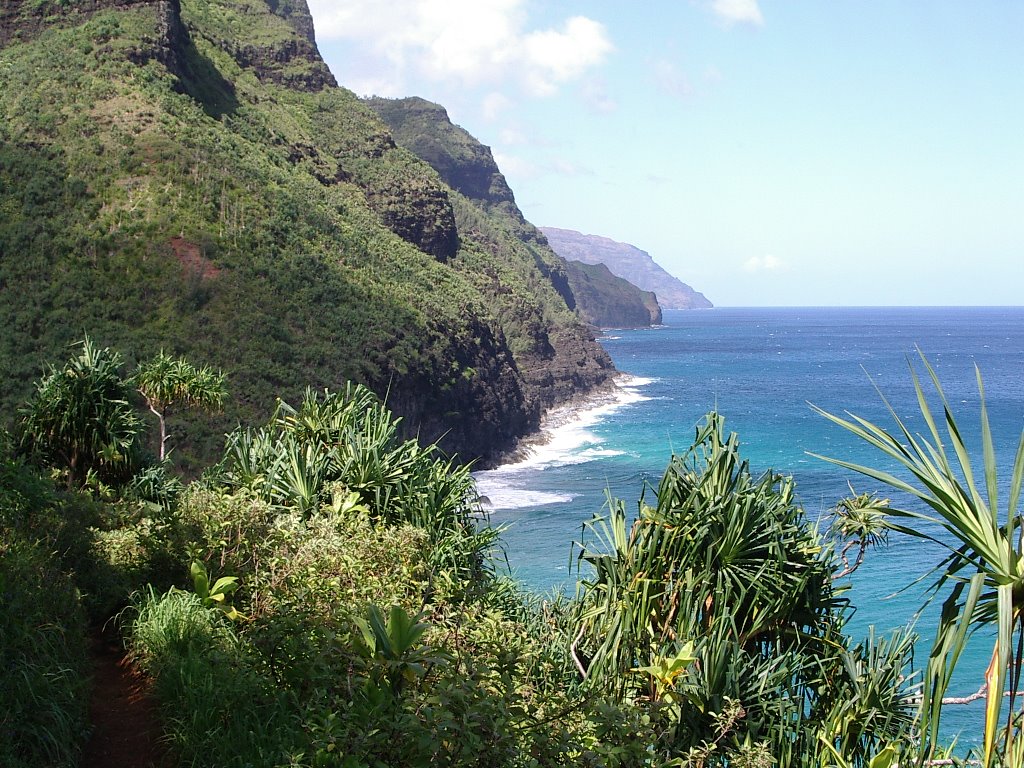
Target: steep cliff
pixel 628 262
pixel 608 301
pixel 501 249
pixel 189 177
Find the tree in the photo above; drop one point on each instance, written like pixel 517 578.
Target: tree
pixel 167 381
pixel 718 609
pixel 80 417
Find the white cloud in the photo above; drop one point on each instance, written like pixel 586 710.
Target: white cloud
pixel 555 57
pixel 738 11
pixel 494 104
pixel 767 263
pixel 472 42
pixel 513 165
pixel 512 137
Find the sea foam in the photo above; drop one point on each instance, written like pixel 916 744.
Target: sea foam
pixel 565 438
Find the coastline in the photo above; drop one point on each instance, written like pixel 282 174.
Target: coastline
pixel 563 437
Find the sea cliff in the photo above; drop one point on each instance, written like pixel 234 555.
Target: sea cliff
pixel 189 176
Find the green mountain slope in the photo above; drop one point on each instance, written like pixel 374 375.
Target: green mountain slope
pixel 501 248
pixel 608 301
pixel 190 178
pixel 468 167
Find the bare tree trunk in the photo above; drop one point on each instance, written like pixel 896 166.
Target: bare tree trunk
pixel 163 430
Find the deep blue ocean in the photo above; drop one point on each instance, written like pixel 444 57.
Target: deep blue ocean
pixel 760 368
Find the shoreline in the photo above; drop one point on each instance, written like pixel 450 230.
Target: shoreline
pixel 564 437
pixel 564 413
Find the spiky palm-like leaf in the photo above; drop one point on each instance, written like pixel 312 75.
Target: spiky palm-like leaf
pixel 80 419
pixel 984 566
pixel 167 381
pixel 724 563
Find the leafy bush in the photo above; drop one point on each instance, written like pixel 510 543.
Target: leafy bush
pixel 720 595
pixel 80 419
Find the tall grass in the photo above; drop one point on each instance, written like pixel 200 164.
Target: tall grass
pixel 217 710
pixel 43 666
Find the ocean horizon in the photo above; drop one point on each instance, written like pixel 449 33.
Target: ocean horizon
pixel 761 368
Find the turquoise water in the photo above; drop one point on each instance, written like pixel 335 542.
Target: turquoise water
pixel 760 368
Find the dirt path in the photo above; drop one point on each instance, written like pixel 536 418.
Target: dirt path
pixel 122 713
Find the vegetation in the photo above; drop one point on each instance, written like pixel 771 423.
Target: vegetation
pixel 166 381
pixel 608 301
pixel 80 418
pixel 43 677
pixel 197 185
pixel 718 606
pixel 985 565
pixel 326 595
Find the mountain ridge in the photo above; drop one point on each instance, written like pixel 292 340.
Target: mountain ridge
pixel 468 167
pixel 187 176
pixel 628 262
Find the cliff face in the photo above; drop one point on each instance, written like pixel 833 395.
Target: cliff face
pixel 462 162
pixel 608 301
pixel 188 177
pixel 500 249
pixel 628 262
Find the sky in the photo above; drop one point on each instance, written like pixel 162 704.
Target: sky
pixel 767 152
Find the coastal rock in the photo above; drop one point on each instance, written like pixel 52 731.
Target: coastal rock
pixel 608 301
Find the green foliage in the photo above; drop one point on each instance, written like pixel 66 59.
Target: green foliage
pixel 215 595
pixel 80 419
pixel 338 444
pixel 44 672
pixel 393 645
pixel 607 301
pixel 167 381
pixel 984 566
pixel 221 711
pixel 710 631
pixel 721 591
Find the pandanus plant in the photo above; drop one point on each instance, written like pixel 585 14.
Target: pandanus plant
pixel 984 567
pixel 166 382
pixel 720 592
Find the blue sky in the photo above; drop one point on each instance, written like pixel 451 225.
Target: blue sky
pixel 768 153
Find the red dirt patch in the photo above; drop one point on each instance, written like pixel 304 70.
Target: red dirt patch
pixel 190 256
pixel 122 712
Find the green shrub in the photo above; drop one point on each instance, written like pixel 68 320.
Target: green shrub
pixel 43 669
pixel 216 709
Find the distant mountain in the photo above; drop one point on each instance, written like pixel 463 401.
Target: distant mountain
pixel 628 262
pixel 608 301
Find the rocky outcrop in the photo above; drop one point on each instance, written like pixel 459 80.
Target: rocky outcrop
pixel 462 162
pixel 628 262
pixel 416 208
pixel 22 19
pixel 293 64
pixel 608 301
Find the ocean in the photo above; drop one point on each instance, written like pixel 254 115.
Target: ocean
pixel 761 368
